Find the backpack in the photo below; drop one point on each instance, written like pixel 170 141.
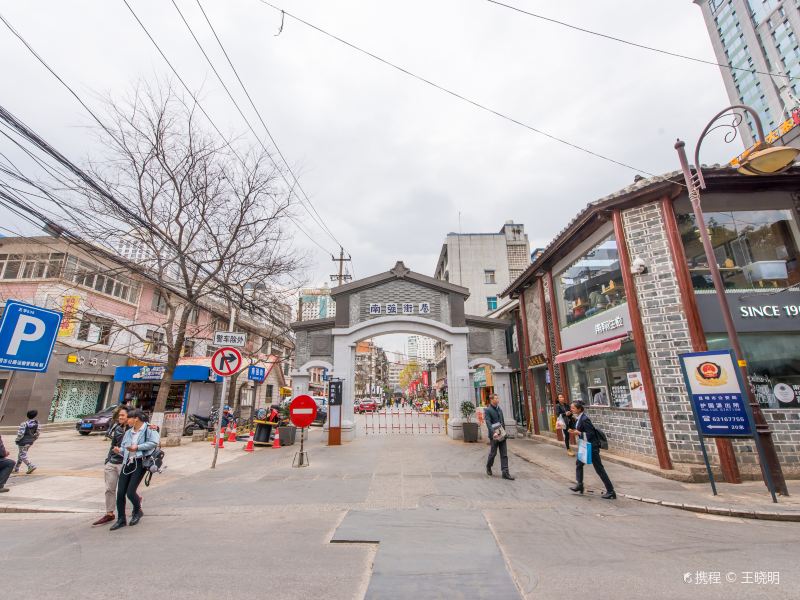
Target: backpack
pixel 601 436
pixel 153 462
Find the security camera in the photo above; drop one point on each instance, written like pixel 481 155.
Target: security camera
pixel 638 267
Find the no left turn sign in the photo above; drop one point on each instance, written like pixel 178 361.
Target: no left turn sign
pixel 226 361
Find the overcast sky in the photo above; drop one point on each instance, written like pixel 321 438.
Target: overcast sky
pixel 388 161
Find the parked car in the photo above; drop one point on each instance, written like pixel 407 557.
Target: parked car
pixel 100 421
pixel 322 410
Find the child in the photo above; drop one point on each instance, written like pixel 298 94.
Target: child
pixel 27 433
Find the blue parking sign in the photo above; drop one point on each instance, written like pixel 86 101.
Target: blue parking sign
pixel 27 336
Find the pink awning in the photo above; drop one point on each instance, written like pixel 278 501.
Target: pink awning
pixel 611 345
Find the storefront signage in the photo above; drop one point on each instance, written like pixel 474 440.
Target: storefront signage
pixel 719 405
pixel 537 360
pixel 256 373
pixel 479 377
pixel 80 359
pixel 773 136
pixel 752 312
pixel 230 338
pixel 400 308
pixel 149 373
pixel 69 306
pixel 604 326
pixel 636 388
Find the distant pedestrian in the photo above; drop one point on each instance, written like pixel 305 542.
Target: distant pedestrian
pixel 113 464
pixel 583 425
pixel 495 423
pixel 138 442
pixel 563 412
pixel 6 466
pixel 27 433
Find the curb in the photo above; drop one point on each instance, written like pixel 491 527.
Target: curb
pixel 698 508
pixel 719 510
pixel 33 509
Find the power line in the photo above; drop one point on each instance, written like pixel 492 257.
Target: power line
pixel 260 118
pixel 207 116
pixel 463 98
pixel 249 125
pixel 635 44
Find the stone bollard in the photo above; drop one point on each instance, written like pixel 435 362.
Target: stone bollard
pixel 199 435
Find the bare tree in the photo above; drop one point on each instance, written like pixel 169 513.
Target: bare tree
pixel 206 214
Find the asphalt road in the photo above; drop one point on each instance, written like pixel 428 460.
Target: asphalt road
pixel 393 517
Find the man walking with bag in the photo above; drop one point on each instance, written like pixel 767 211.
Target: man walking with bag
pixel 495 423
pixel 589 451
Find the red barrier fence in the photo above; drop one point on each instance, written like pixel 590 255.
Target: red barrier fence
pixel 403 422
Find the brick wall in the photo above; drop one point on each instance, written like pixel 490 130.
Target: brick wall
pixel 398 291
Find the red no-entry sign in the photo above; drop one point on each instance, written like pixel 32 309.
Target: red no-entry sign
pixel 303 411
pixel 226 361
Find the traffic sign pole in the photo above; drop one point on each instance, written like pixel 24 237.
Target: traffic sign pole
pixel 223 398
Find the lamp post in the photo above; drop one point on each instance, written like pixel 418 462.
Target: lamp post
pixel 763 160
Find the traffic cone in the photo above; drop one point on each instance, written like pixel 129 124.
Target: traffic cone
pixel 232 434
pixel 222 432
pixel 276 443
pixel 249 447
pixel 221 439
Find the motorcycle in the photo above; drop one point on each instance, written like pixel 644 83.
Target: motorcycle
pixel 199 422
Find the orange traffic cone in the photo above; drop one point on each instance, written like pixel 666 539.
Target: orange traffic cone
pixel 276 443
pixel 221 439
pixel 249 447
pixel 214 441
pixel 232 434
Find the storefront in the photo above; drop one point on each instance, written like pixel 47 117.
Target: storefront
pixel 191 392
pixel 483 384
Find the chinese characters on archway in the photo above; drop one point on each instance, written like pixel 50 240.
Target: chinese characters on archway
pixel 400 308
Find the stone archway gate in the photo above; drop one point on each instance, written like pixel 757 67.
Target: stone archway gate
pixel 402 301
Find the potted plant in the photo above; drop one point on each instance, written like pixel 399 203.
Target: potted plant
pixel 469 429
pixel 286 431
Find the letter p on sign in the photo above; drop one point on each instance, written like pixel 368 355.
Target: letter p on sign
pixel 28 329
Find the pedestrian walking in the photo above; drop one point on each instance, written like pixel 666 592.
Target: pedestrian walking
pixel 495 423
pixel 113 464
pixel 564 420
pixel 138 443
pixel 583 425
pixel 6 466
pixel 27 433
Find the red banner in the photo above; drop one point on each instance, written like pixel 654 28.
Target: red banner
pixel 425 381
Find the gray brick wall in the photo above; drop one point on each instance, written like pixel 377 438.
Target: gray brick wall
pixel 398 291
pixel 487 342
pixel 628 431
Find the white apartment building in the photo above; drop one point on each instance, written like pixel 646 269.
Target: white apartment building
pixel 316 303
pixel 421 348
pixel 485 263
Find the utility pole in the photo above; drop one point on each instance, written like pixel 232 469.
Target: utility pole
pixel 342 277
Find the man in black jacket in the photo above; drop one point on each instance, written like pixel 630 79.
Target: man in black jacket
pixel 495 423
pixel 583 425
pixel 6 466
pixel 113 464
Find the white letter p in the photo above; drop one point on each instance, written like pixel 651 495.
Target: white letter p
pixel 20 334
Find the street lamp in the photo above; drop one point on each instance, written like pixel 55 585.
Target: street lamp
pixel 765 160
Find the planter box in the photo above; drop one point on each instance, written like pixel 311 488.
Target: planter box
pixel 470 431
pixel 287 435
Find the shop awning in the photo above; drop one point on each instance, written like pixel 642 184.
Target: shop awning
pixel 611 345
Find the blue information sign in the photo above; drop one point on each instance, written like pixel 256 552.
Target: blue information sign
pixel 27 336
pixel 325 376
pixel 714 386
pixel 256 373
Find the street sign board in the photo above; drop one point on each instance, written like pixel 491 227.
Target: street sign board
pixel 255 373
pixel 325 375
pixel 226 361
pixel 302 411
pixel 335 393
pixel 230 338
pixel 27 336
pixel 718 401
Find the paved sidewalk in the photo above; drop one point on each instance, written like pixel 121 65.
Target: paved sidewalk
pixel 749 499
pixel 69 474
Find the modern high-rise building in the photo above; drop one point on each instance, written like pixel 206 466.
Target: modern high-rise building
pixel 421 348
pixel 758 39
pixel 316 303
pixel 485 263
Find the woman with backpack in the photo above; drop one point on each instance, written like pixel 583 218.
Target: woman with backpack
pixel 138 443
pixel 583 426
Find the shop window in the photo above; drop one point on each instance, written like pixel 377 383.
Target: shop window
pixel 590 285
pixel 754 249
pixel 160 302
pixel 95 330
pixel 608 380
pixel 491 303
pixel 155 342
pixel 773 366
pixel 488 276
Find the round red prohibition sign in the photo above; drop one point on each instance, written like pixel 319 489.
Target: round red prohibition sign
pixel 302 411
pixel 226 361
